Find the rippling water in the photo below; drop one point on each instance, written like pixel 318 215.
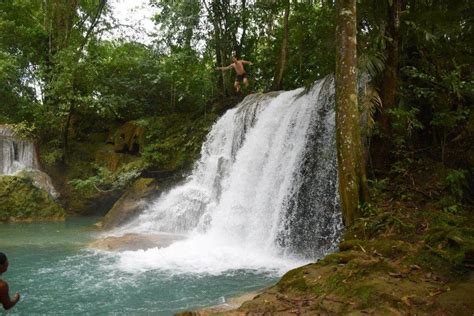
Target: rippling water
pixel 56 275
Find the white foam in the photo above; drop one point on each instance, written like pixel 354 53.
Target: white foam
pixel 204 254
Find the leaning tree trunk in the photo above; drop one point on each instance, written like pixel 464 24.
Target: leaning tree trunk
pixel 352 179
pixel 278 78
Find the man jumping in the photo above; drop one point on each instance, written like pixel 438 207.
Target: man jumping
pixel 241 75
pixel 4 296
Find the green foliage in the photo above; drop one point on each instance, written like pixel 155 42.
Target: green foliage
pixel 174 141
pixel 456 184
pixel 404 120
pixel 25 130
pixel 105 180
pixel 367 210
pixel 51 153
pixel 404 124
pixel 58 84
pixel 377 186
pixel 435 67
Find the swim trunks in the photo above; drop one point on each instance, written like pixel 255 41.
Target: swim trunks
pixel 241 77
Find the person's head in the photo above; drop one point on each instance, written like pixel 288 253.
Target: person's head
pixel 234 58
pixel 3 262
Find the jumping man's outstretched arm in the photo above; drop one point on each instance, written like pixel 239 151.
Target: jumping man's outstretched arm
pixel 247 62
pixel 225 68
pixel 5 298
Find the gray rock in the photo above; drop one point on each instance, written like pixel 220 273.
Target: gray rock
pixel 131 203
pixel 134 242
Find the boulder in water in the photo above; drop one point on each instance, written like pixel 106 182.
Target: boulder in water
pixel 134 242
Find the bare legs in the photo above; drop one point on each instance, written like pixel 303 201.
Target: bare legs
pixel 237 84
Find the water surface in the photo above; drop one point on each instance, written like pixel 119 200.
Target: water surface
pixel 55 274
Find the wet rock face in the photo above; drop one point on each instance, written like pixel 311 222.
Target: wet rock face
pixel 131 203
pixel 128 138
pixel 20 199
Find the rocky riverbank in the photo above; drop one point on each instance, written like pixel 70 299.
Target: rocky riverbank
pixel 21 200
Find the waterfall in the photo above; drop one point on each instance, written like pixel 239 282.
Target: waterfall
pixel 263 191
pixel 19 157
pixel 15 154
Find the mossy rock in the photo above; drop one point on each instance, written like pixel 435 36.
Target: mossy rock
pixel 294 280
pixel 21 200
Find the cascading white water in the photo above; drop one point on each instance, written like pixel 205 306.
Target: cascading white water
pixel 15 154
pixel 263 193
pixel 19 156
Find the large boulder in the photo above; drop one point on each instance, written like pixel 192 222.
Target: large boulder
pixel 131 203
pixel 21 200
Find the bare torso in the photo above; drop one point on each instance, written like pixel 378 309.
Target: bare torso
pixel 5 300
pixel 238 67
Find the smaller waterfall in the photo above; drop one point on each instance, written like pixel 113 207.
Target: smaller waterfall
pixel 16 154
pixel 19 155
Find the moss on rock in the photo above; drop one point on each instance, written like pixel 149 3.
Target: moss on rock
pixel 21 200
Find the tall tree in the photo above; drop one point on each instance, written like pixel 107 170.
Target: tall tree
pixel 73 85
pixel 352 178
pixel 281 64
pixel 389 83
pixel 244 25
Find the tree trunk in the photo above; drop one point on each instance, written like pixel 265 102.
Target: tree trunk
pixel 67 125
pixel 238 49
pixel 389 86
pixel 78 54
pixel 278 78
pixel 213 12
pixel 352 178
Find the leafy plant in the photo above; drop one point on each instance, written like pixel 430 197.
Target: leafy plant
pixel 25 130
pixel 105 180
pixel 455 182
